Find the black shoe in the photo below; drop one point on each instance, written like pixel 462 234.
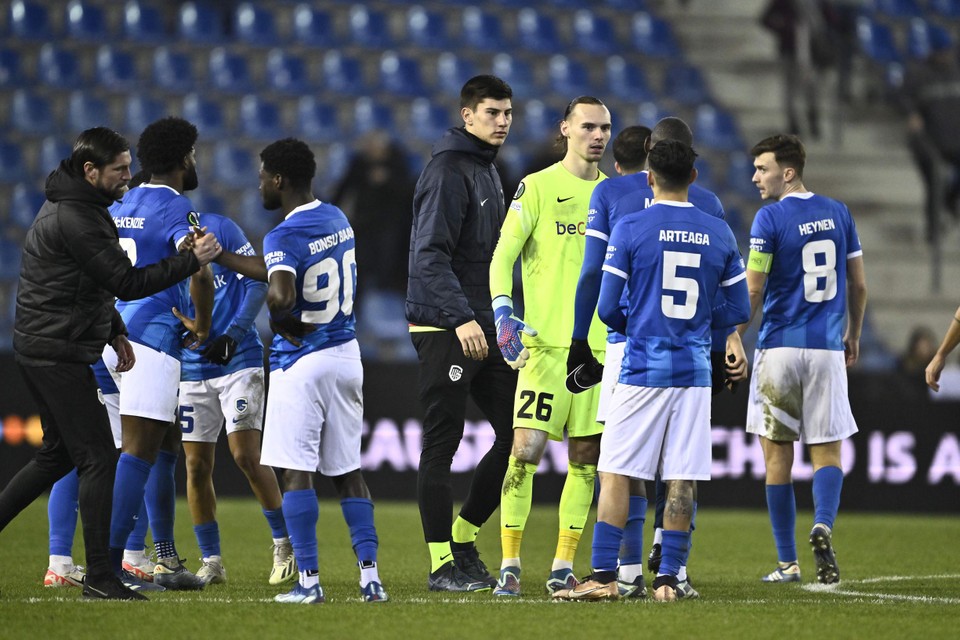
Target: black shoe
pixel 108 588
pixel 653 562
pixel 450 578
pixel 468 561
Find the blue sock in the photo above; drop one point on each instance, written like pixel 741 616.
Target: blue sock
pixel 358 514
pixel 62 514
pixel 783 519
pixel 137 540
pixel 275 519
pixel 661 493
pixel 161 495
pixel 128 488
pixel 301 512
pixel 631 548
pixel 827 483
pixel 676 547
pixel 208 538
pixel 606 545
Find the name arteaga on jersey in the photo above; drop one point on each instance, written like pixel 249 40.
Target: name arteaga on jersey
pixel 689 237
pixel 331 240
pixel 129 223
pixel 827 224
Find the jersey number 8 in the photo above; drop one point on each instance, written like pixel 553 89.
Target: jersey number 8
pixel 819 264
pixel 330 293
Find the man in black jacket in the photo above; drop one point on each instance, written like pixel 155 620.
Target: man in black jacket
pixel 458 208
pixel 72 269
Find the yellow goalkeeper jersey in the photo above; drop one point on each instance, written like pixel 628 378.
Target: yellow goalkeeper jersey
pixel 545 227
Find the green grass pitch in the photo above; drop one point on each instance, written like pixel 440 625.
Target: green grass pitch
pixel 901 579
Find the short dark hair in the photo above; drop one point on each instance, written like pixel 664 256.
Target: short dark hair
pixel 672 162
pixel 292 159
pixel 672 128
pixel 165 143
pixel 787 150
pixel 98 145
pixel 628 148
pixel 479 88
pixel 559 141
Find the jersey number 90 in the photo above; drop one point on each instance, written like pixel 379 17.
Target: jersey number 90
pixel 330 294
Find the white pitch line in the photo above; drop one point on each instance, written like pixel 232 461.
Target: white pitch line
pixel 836 589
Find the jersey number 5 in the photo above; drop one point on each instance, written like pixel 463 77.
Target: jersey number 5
pixel 672 282
pixel 330 294
pixel 819 264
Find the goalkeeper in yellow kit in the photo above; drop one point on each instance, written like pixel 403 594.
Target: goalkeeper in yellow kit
pixel 545 227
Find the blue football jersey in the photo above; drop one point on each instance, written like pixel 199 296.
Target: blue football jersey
pixel 152 220
pixel 229 291
pixel 811 237
pixel 104 379
pixel 674 258
pixel 315 243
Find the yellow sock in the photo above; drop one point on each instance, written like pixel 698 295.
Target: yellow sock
pixel 567 543
pixel 575 504
pixel 515 502
pixel 440 554
pixel 464 532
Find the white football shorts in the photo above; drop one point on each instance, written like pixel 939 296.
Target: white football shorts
pixel 315 413
pixel 663 430
pixel 235 399
pixel 151 388
pixel 798 393
pixel 611 375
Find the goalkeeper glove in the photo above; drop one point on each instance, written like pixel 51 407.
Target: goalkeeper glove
pixel 221 350
pixel 509 328
pixel 583 369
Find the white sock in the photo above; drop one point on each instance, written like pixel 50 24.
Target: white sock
pixel 61 564
pixel 630 572
pixel 561 564
pixel 368 574
pixel 510 562
pixel 658 536
pixel 682 574
pixel 309 578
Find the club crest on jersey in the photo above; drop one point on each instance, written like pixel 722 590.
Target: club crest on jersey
pixel 520 189
pixel 242 405
pixel 456 372
pixel 193 219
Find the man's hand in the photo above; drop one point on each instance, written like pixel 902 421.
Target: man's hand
pixel 205 246
pixel 221 350
pixel 125 356
pixel 851 350
pixel 509 328
pixel 193 336
pixel 933 371
pixel 291 329
pixel 472 340
pixel 583 369
pixel 735 365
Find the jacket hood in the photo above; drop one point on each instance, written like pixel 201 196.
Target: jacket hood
pixel 62 184
pixel 457 139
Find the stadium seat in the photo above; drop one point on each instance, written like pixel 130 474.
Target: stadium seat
pixel 704 173
pixel 453 71
pixel 945 8
pixel 537 32
pixel 921 35
pixel 58 67
pixel 313 27
pixel 254 25
pixel 628 5
pixel 568 77
pixel 141 110
pixel 199 23
pixel 594 34
pixel 86 110
pixel 228 71
pixel 317 120
pixel 286 73
pixel 172 71
pixel 428 119
pixel 206 202
pixel 9 260
pixel 12 164
pixel 876 41
pixel 207 114
pixel 517 73
pixel 233 166
pixel 29 20
pixel 739 178
pixel 685 84
pixel 25 202
pixel 627 81
pixel 116 69
pixel 260 119
pixel 481 30
pixel 86 21
pixel 333 165
pixel 53 149
pixel 143 23
pixel 369 28
pixel 343 74
pixel 400 75
pixel 897 8
pixel 717 129
pixel 539 121
pixel 369 115
pixel 427 29
pixel 653 37
pixel 253 218
pixel 11 74
pixel 649 114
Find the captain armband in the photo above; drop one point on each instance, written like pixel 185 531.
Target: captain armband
pixel 759 261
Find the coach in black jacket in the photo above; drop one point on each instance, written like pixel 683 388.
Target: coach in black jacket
pixel 72 268
pixel 458 208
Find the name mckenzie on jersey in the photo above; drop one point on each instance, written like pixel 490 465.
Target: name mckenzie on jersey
pixel 128 223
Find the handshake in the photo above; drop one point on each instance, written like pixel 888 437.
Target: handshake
pixel 204 245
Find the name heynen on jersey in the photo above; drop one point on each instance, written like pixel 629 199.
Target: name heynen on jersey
pixel 827 224
pixel 331 240
pixel 689 237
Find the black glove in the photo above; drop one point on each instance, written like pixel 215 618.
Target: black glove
pixel 221 350
pixel 583 370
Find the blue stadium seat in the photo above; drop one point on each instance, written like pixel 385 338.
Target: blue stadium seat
pixel 11 74
pixel 482 30
pixel 594 34
pixel 369 115
pixel 86 21
pixel 453 71
pixel 400 75
pixel 717 129
pixel 428 119
pixel 9 264
pixel 649 114
pixel 25 203
pixel 653 36
pixel 172 71
pixel 116 69
pixel 539 121
pixel 685 84
pixel 627 81
pixel 897 8
pixel 945 8
pixel 427 29
pixel 253 218
pixel 233 166
pixel 369 28
pixel 206 202
pixel 12 164
pixel 343 74
pixel 199 23
pixel 518 74
pixel 286 73
pixel 260 119
pixel 255 25
pixel 58 67
pixel 29 20
pixel 313 27
pixel 317 120
pixel 568 77
pixel 704 173
pixel 537 32
pixel 228 71
pixel 143 23
pixel 333 165
pixel 923 36
pixel 32 113
pixel 205 113
pixel 53 149
pixel 628 5
pixel 739 178
pixel 86 110
pixel 876 41
pixel 141 110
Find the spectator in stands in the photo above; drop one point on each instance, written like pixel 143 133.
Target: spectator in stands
pixel 931 100
pixel 921 348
